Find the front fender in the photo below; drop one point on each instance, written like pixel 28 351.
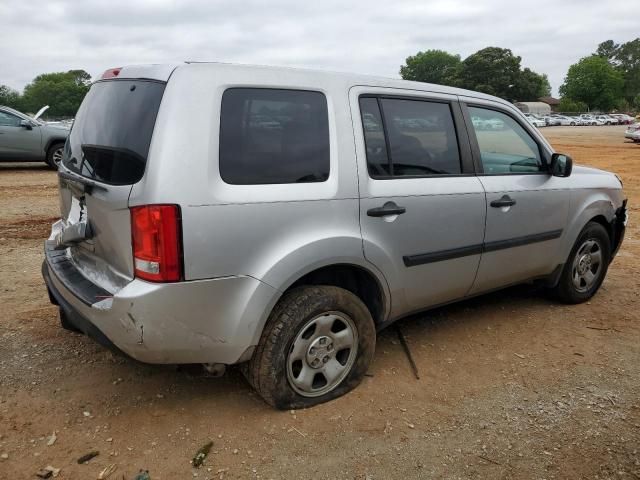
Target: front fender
pixel 588 205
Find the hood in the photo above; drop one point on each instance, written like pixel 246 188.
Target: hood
pixel 57 128
pixel 589 170
pixel 40 112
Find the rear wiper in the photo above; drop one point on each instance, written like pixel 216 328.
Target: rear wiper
pixel 87 184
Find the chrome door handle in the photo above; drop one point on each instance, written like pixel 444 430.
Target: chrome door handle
pixel 505 201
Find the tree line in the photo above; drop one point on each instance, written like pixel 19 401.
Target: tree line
pixel 62 91
pixel 606 80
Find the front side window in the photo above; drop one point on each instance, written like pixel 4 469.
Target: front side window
pixel 270 136
pixel 505 146
pixel 420 138
pixel 9 120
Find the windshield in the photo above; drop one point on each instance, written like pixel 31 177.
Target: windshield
pixel 110 138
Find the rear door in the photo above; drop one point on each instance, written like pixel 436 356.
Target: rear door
pixel 108 146
pixel 422 209
pixel 527 208
pixel 18 142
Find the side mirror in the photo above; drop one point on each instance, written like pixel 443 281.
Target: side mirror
pixel 561 165
pixel 26 124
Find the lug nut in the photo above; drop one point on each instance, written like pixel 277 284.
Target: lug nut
pixel 323 341
pixel 330 347
pixel 315 362
pixel 312 351
pixel 325 359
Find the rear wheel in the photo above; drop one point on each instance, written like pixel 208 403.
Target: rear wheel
pixel 586 266
pixel 317 345
pixel 54 155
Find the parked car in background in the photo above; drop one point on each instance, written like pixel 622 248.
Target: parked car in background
pixel 633 132
pixel 607 120
pixel 623 118
pixel 591 120
pixel 27 139
pixel 565 120
pixel 535 120
pixel 287 247
pixel 551 120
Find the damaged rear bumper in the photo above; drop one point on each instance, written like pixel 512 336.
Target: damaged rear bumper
pixel 204 321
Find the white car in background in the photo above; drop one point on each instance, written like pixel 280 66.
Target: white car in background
pixel 591 120
pixel 633 132
pixel 551 120
pixel 608 120
pixel 535 120
pixel 565 120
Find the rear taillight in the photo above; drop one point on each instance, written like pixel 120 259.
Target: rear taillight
pixel 111 73
pixel 157 249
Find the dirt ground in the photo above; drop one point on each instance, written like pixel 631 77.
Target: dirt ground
pixel 513 385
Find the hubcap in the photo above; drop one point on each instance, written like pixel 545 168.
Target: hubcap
pixel 57 156
pixel 587 265
pixel 322 354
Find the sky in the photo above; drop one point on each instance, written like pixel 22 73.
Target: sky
pixel 372 37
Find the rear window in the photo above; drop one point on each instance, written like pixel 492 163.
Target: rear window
pixel 110 138
pixel 272 136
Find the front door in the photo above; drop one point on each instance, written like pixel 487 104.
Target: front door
pixel 527 208
pixel 422 209
pixel 18 142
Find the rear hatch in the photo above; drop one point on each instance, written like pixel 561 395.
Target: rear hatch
pixel 106 154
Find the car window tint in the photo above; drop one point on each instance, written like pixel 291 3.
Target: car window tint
pixel 111 135
pixel 270 136
pixel 505 146
pixel 9 120
pixel 377 158
pixel 422 137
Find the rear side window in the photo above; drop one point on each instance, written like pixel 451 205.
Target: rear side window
pixel 111 134
pixel 420 136
pixel 270 136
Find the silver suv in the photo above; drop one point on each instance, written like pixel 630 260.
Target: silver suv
pixel 278 218
pixel 27 139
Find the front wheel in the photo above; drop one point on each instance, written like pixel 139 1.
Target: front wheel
pixel 316 346
pixel 587 265
pixel 54 155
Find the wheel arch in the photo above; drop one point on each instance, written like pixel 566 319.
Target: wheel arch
pixel 53 141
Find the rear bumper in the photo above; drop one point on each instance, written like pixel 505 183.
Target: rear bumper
pixel 205 321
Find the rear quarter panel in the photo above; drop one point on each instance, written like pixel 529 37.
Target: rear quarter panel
pixel 270 232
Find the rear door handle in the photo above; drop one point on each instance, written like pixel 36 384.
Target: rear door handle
pixel 505 201
pixel 389 208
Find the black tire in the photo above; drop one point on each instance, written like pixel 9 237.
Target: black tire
pixel 268 370
pixel 52 155
pixel 567 291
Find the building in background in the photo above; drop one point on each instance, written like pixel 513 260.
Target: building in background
pixel 538 108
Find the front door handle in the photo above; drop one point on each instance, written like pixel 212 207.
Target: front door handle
pixel 389 208
pixel 505 201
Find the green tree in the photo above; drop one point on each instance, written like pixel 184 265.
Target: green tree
pixel 431 66
pixel 570 106
pixel 626 58
pixel 491 70
pixel 530 86
pixel 595 82
pixel 62 91
pixel 608 50
pixel 9 97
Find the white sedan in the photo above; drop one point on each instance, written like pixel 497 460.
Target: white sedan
pixel 535 121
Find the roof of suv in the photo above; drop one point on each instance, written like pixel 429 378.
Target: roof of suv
pixel 163 72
